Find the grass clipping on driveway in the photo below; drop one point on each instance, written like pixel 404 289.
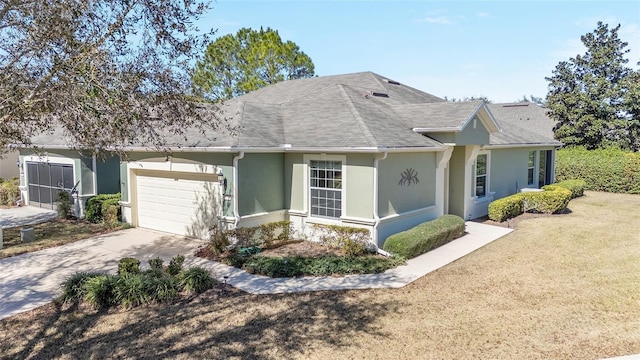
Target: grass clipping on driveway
pixel 559 287
pixel 50 234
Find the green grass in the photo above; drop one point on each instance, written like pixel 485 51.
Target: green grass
pixel 51 234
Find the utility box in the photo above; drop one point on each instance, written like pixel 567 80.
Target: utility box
pixel 27 235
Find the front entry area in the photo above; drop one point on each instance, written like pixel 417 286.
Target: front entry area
pixel 46 180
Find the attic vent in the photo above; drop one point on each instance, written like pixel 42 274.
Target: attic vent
pixel 393 82
pixel 516 105
pixel 380 94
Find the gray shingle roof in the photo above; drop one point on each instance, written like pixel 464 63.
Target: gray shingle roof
pixel 522 123
pixel 359 110
pixel 342 111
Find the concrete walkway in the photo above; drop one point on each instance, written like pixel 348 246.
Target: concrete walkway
pixel 32 280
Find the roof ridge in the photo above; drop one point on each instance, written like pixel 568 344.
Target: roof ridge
pixel 371 140
pixel 377 77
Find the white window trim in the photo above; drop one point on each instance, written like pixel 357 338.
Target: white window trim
pixel 307 158
pixel 487 192
pixel 536 156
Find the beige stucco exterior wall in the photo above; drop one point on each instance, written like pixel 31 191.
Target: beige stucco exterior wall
pixel 397 198
pixel 359 186
pixel 508 171
pixel 260 183
pixel 294 179
pixel 457 181
pixel 8 168
pixel 473 134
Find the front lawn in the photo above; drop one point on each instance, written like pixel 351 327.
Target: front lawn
pixel 559 287
pixel 50 234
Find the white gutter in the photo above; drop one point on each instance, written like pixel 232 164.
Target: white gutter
pixel 436 130
pixel 235 187
pixel 376 216
pixel 275 149
pixel 505 146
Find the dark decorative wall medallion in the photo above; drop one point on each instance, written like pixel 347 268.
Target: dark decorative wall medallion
pixel 408 177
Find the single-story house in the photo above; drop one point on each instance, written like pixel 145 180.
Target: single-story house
pixel 44 174
pixel 355 150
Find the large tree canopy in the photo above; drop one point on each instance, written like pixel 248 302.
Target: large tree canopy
pixel 104 73
pixel 594 97
pixel 236 64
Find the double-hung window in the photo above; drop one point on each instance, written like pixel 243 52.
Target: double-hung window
pixel 481 175
pixel 326 188
pixel 531 168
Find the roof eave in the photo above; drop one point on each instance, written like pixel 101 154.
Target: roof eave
pixel 521 145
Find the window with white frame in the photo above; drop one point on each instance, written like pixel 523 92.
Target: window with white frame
pixel 325 188
pixel 481 175
pixel 531 168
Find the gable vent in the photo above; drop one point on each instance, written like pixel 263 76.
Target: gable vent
pixel 380 94
pixel 393 82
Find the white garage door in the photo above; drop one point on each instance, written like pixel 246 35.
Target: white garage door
pixel 179 203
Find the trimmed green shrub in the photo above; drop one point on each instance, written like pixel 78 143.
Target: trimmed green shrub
pixel 293 266
pixel 575 186
pixel 426 236
pixel 100 291
pixel 156 264
pixel 506 208
pixel 553 199
pixel 352 241
pixel 610 170
pixel 63 205
pixel 247 237
pixel 175 265
pixel 279 230
pixel 96 206
pixel 196 280
pixel 9 192
pixel 73 288
pixel 128 265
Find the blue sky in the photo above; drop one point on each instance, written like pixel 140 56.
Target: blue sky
pixel 498 49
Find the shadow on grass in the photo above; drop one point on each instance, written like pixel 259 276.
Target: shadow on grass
pixel 222 325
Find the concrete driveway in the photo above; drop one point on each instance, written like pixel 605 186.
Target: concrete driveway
pixel 32 280
pixel 25 215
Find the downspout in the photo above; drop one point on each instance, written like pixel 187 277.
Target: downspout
pixel 376 216
pixel 235 188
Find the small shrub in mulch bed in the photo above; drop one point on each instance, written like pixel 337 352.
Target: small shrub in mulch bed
pixel 293 266
pixel 132 287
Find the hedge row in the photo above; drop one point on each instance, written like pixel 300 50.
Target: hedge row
pixel 553 199
pixel 611 170
pixel 425 237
